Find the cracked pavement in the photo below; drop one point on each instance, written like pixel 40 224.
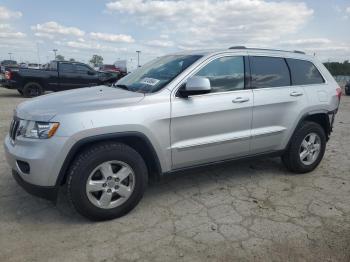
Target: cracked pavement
pixel 239 211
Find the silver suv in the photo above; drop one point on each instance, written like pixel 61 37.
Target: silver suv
pixel 177 112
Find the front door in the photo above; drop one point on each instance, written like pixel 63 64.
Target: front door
pixel 215 126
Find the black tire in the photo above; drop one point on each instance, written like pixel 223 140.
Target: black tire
pixel 291 158
pixel 32 89
pixel 87 161
pixel 347 91
pixel 20 91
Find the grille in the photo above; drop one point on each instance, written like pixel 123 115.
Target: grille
pixel 14 129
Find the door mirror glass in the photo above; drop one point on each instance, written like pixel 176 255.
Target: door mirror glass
pixel 195 85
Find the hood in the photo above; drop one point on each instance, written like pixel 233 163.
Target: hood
pixel 45 107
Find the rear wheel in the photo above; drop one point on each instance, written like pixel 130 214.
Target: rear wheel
pixel 32 89
pixel 307 148
pixel 347 91
pixel 107 181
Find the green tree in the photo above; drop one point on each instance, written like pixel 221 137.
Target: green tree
pixel 60 57
pixel 71 60
pixel 96 60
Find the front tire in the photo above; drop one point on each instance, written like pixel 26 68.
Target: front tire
pixel 107 181
pixel 306 149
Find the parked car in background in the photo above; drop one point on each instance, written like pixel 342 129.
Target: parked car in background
pixel 34 66
pixel 177 112
pixel 117 71
pixel 347 88
pixel 7 63
pixel 23 65
pixel 57 76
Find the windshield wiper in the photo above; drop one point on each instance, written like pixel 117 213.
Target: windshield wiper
pixel 125 87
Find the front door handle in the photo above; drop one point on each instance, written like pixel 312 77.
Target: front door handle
pixel 295 93
pixel 240 100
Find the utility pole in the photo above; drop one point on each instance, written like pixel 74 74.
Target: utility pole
pixel 138 58
pixel 10 54
pixel 55 51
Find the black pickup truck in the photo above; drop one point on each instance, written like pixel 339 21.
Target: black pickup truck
pixel 57 76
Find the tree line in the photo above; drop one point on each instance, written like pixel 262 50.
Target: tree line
pixel 337 68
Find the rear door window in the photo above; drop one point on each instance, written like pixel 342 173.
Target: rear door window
pixel 269 72
pixel 304 72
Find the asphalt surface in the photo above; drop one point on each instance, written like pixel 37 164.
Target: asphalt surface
pixel 243 211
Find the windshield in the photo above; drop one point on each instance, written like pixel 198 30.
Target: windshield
pixel 156 74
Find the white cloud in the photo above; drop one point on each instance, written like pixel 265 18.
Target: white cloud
pixel 160 43
pixel 53 28
pixel 6 31
pixel 89 46
pixel 223 23
pixel 12 35
pixel 6 14
pixel 307 42
pixel 118 38
pixel 347 10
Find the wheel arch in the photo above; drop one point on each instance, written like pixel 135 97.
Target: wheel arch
pixel 320 117
pixel 136 140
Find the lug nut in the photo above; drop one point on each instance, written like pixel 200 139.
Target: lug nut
pixel 109 191
pixel 116 187
pixel 109 178
pixel 104 185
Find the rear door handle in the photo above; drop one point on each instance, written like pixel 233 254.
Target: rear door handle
pixel 240 100
pixel 295 93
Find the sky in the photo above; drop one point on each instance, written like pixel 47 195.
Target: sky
pixel 31 29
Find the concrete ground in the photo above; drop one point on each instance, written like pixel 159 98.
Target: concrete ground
pixel 246 211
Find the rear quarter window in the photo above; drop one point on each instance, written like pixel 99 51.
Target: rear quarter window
pixel 269 72
pixel 304 72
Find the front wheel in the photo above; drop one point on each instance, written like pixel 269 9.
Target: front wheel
pixel 107 181
pixel 306 149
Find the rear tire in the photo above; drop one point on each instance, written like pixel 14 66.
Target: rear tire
pixel 32 89
pixel 94 162
pixel 302 155
pixel 347 91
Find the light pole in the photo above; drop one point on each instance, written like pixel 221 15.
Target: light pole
pixel 10 54
pixel 138 58
pixel 55 51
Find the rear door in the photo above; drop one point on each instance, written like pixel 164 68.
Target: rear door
pixel 215 126
pixel 277 104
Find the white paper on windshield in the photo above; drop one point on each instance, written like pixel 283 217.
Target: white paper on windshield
pixel 149 81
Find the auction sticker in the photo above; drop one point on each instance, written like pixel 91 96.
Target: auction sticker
pixel 149 81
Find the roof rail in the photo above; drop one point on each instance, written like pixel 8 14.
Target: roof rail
pixel 266 49
pixel 238 47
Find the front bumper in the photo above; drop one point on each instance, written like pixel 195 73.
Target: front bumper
pixel 47 192
pixel 43 156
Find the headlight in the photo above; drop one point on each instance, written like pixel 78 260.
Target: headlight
pixel 33 129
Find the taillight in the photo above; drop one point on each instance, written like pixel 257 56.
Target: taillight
pixel 8 75
pixel 339 92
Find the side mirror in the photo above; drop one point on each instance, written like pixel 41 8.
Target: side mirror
pixel 195 85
